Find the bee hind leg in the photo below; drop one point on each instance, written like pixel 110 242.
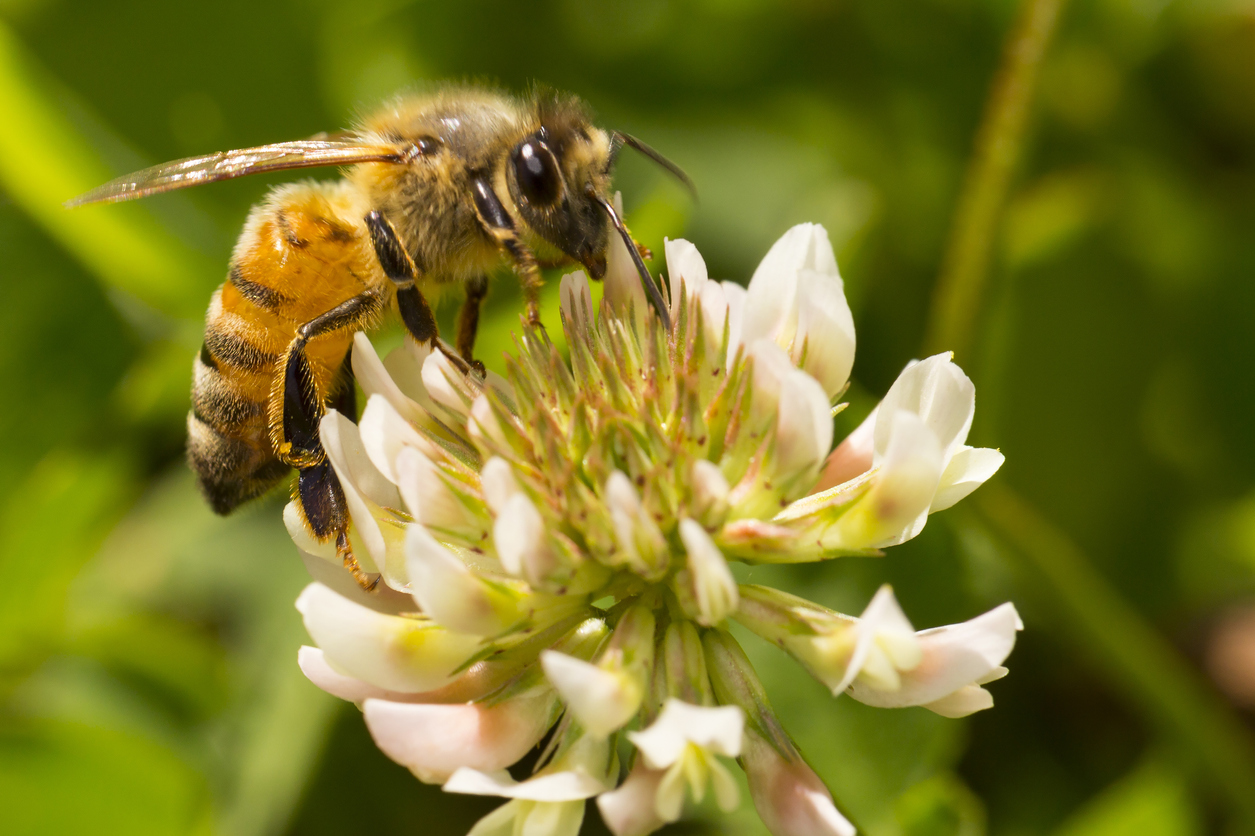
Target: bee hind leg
pixel 297 410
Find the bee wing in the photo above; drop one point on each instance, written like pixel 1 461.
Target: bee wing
pixel 193 171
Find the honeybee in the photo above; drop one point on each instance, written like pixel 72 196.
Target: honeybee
pixel 440 188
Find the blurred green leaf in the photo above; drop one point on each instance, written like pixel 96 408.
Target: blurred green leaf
pixel 1153 800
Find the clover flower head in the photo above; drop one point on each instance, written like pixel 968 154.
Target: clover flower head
pixel 554 547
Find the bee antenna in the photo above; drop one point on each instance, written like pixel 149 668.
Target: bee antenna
pixel 618 139
pixel 651 289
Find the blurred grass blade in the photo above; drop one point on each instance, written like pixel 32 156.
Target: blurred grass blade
pixel 960 287
pixel 1127 651
pixel 44 160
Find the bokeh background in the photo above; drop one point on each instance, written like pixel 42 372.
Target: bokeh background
pixel 147 649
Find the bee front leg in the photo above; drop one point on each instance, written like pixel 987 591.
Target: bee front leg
pixel 296 411
pixel 397 265
pixel 496 221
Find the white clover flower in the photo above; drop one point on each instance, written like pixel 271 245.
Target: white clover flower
pixel 554 547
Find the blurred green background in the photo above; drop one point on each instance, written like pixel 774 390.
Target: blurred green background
pixel 147 649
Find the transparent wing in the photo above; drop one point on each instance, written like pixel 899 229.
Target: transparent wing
pixel 193 171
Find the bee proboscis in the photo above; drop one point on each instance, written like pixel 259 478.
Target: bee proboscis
pixel 441 187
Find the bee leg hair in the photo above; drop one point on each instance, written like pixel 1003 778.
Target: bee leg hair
pixel 496 222
pixel 400 268
pixel 468 321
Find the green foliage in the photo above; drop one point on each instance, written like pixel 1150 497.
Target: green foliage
pixel 147 648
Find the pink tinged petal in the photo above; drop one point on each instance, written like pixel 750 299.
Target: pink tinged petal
pixel 576 299
pixel 603 701
pixel 434 741
pixel 713 584
pixel 684 265
pixel 318 671
pixel 965 701
pixel 453 595
pixel 896 507
pixel 790 798
pixel 367 492
pixel 825 330
pixel 967 471
pixel 629 810
pixel 375 379
pixel 384 433
pixel 408 655
pixel 568 785
pixel 952 658
pixel 853 456
pixel 803 426
pixel 940 393
pixel 718 730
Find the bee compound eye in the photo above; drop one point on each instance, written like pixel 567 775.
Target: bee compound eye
pixel 536 169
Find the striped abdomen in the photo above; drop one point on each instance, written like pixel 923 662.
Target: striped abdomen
pixel 302 252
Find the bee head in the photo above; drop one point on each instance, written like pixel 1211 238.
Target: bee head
pixel 555 172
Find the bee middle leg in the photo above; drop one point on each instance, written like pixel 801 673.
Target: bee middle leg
pixel 294 429
pixel 468 321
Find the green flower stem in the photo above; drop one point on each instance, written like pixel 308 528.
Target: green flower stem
pixel 965 266
pixel 1133 657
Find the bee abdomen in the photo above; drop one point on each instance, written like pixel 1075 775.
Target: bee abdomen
pixel 227 442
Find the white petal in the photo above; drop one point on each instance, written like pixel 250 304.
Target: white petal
pixel 713 584
pixel 366 492
pixel 882 618
pixel 384 431
pixel 939 392
pixel 717 730
pixel 734 296
pixel 451 594
pixel 442 379
pixel 576 299
pixel 602 701
pixel 427 495
pixel 629 810
pixel 685 263
pixel 375 379
pixel 803 425
pixel 304 540
pixel 953 658
pixel 853 456
pixel 434 741
pixel 825 327
pixel 518 534
pixel 771 300
pixel 570 785
pixel 394 653
pixel 896 507
pixel 638 535
pixel 967 471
